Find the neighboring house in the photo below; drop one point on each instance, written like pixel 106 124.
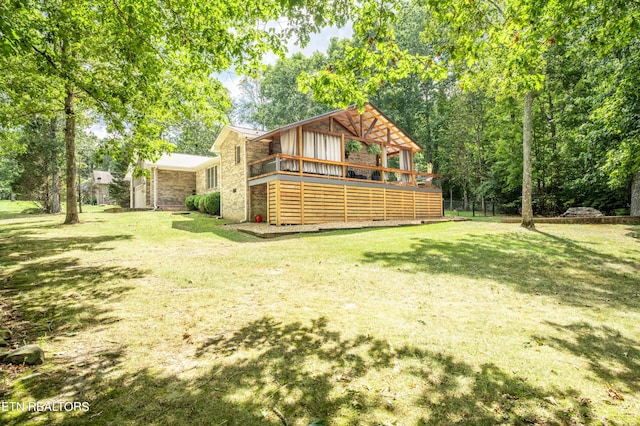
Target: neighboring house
pixel 302 173
pixel 172 179
pixel 100 181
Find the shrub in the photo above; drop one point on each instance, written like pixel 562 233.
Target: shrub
pixel 212 203
pixel 190 203
pixel 200 203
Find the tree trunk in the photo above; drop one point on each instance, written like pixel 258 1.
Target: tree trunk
pixel 527 136
pixel 431 151
pixel 55 175
pixel 465 198
pixel 635 194
pixel 70 152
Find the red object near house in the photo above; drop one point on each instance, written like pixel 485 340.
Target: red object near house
pixel 258 219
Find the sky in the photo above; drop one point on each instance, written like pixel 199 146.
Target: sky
pixel 318 43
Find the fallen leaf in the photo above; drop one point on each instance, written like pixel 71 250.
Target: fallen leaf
pixel 614 393
pixel 343 378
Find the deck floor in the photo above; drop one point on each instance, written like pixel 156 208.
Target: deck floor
pixel 265 230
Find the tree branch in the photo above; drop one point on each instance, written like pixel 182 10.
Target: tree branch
pixel 135 31
pixel 102 103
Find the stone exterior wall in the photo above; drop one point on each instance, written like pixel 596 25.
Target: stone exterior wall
pixel 362 157
pixel 101 193
pixel 233 181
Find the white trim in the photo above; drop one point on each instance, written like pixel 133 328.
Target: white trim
pixel 155 188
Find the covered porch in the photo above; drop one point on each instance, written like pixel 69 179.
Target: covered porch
pixel 342 166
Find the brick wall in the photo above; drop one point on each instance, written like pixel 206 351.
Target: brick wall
pixel 233 180
pixel 173 187
pixel 258 202
pixel 257 150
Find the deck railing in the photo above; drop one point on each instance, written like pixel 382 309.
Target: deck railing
pixel 307 166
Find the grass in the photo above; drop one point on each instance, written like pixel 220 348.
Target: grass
pixel 159 318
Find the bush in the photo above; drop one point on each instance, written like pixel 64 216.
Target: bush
pixel 200 203
pixel 212 203
pixel 205 203
pixel 190 203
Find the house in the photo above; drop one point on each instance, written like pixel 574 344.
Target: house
pixel 172 179
pixel 329 168
pixel 313 172
pixel 100 181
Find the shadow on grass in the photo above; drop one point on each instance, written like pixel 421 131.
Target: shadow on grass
pixel 61 295
pixel 51 294
pixel 274 373
pixel 611 356
pixel 24 247
pixel 199 223
pixel 634 232
pixel 534 263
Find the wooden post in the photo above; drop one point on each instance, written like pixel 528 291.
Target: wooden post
pixel 344 167
pixel 300 147
pixel 278 218
pixel 412 168
pixel 268 203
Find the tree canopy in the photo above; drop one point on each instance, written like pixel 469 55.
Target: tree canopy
pixel 504 49
pixel 139 64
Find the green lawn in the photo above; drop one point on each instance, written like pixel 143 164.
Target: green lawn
pixel 160 318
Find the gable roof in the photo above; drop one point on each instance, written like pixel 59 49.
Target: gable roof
pixel 242 131
pixel 372 123
pixel 103 177
pixel 185 162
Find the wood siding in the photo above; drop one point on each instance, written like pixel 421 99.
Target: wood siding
pixel 297 203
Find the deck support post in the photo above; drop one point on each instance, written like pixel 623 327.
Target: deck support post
pixel 301 171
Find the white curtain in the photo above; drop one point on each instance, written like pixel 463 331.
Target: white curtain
pixel 322 147
pixel 289 146
pixel 334 153
pixel 384 163
pixel 404 165
pixel 310 149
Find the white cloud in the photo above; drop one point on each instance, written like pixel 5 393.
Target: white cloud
pixel 98 129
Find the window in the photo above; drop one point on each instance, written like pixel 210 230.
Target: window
pixel 238 154
pixel 212 177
